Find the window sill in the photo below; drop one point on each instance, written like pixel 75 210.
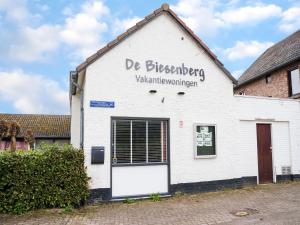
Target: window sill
pixel 295 96
pixel 206 157
pixel 140 164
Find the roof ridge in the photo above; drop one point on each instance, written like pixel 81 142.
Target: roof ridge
pixel 33 114
pixel 247 76
pixel 284 39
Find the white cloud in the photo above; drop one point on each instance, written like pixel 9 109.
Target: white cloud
pixel 35 44
pixel 290 20
pixel 67 11
pixel 43 7
pixel 206 18
pixel 22 38
pixel 32 93
pixel 237 73
pixel 15 10
pixel 122 25
pixel 95 8
pixel 249 14
pixel 246 49
pixel 83 31
pixel 198 15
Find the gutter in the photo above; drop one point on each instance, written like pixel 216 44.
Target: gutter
pixel 76 88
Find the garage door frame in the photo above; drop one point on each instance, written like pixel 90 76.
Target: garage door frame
pixel 168 163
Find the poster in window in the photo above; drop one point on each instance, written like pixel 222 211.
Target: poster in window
pixel 205 140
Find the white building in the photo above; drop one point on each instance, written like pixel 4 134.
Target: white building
pixel 160 106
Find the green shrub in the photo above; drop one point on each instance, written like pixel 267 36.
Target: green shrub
pixel 129 200
pixel 68 209
pixel 155 197
pixel 52 176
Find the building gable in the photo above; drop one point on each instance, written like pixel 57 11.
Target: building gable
pixel 163 10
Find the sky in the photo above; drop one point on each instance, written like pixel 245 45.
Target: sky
pixel 41 41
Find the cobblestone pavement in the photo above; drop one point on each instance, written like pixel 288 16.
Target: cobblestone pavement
pixel 264 204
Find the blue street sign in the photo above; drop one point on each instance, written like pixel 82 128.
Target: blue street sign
pixel 102 104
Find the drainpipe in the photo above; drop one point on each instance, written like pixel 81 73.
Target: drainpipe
pixel 74 76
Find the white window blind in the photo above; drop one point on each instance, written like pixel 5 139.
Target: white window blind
pixel 139 141
pixel 295 81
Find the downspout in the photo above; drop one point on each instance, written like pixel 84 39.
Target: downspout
pixel 81 118
pixel 73 75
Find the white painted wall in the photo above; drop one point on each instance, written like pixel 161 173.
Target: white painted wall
pixel 151 179
pixel 211 102
pixel 284 116
pixel 107 79
pixel 75 121
pixel 281 149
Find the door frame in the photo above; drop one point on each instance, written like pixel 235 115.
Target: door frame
pixel 168 163
pixel 273 166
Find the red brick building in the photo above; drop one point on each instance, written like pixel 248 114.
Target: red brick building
pixel 276 72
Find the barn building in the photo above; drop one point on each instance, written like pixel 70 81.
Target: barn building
pixel 46 129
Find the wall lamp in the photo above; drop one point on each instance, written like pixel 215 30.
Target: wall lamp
pixel 181 93
pixel 152 91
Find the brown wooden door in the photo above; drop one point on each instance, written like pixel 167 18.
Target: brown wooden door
pixel 264 153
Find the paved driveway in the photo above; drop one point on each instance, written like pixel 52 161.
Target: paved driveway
pixel 267 204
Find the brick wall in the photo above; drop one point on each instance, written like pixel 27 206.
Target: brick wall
pixel 277 87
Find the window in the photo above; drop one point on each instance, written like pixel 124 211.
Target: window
pixel 204 140
pixel 242 93
pixel 294 81
pixel 139 141
pixel 268 79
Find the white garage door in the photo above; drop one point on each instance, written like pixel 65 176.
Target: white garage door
pixel 139 157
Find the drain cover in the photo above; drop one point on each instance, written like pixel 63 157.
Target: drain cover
pixel 241 213
pixel 244 212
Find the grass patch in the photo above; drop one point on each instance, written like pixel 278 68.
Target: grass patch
pixel 129 201
pixel 155 197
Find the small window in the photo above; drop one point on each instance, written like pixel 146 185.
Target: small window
pixel 268 79
pixel 294 81
pixel 139 141
pixel 204 140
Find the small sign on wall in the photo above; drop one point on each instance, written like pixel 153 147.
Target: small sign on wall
pixel 102 104
pixel 205 140
pixel 180 124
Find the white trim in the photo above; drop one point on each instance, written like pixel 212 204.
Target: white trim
pixel 115 132
pixel 166 138
pixel 273 166
pixel 131 141
pixel 147 142
pixel 194 141
pixel 162 140
pixel 263 120
pixel 266 98
pixel 290 148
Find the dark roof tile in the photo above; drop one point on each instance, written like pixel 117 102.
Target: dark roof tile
pixel 41 125
pixel 282 53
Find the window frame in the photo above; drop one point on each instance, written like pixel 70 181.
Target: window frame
pixel 289 71
pixel 195 145
pixel 268 79
pixel 166 162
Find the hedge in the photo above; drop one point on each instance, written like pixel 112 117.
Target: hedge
pixel 52 176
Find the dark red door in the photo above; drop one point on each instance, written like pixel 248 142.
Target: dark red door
pixel 264 153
